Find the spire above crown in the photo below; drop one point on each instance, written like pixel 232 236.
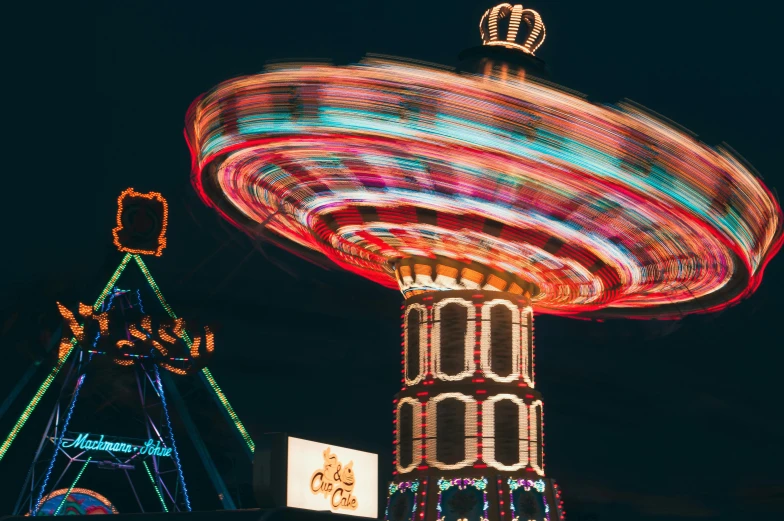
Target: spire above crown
pixel 501 25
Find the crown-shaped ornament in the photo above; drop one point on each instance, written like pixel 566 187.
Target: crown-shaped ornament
pixel 512 26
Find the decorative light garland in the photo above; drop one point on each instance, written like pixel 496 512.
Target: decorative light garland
pixel 480 431
pixel 422 351
pixel 58 443
pixel 479 484
pixel 535 444
pixel 488 432
pixel 413 486
pixel 468 353
pixel 486 365
pixel 171 437
pixel 470 443
pixel 559 508
pixel 413 437
pixel 521 343
pixel 139 300
pixel 527 485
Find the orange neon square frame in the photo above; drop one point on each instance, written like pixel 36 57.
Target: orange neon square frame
pixel 130 192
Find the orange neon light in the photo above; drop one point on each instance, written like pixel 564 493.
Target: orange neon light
pixel 130 192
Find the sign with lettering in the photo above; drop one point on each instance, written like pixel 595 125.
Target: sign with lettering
pixel 326 477
pixel 85 442
pixel 335 481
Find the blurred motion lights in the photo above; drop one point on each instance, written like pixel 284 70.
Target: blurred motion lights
pixel 601 210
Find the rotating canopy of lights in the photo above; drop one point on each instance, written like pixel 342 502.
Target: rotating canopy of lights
pixel 423 178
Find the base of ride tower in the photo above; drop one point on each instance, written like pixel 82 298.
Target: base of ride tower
pixel 468 420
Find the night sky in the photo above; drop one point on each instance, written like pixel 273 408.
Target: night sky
pixel 644 420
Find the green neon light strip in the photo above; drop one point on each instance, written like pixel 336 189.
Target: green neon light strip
pixel 154 286
pixel 72 486
pixel 229 409
pixel 60 362
pixel 108 288
pixel 155 485
pixel 206 372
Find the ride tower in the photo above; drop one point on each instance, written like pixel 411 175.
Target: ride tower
pixel 484 195
pixel 118 360
pixel 469 421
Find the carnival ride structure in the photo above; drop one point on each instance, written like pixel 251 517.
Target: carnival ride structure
pixel 121 336
pixel 482 194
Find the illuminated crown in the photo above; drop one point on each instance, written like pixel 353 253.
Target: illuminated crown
pixel 500 25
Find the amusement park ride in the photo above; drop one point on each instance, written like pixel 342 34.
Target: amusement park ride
pixel 482 194
pixel 120 332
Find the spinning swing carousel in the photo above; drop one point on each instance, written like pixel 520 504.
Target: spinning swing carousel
pixel 482 194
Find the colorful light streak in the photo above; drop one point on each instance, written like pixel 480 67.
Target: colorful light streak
pixel 607 210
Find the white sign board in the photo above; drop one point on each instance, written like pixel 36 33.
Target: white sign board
pixel 328 477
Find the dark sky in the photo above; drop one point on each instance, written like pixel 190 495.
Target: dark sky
pixel 650 421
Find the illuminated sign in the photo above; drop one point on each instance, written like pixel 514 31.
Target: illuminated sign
pixel 84 442
pixel 335 481
pixel 316 476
